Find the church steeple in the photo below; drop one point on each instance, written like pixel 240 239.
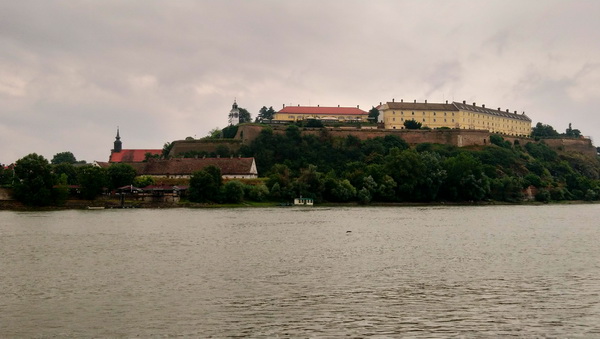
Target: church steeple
pixel 118 144
pixel 234 114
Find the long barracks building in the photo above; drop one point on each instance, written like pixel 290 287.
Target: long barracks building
pixel 454 115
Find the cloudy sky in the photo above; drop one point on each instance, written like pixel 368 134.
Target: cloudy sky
pixel 72 71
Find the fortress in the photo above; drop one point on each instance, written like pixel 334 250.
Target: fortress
pixel 457 124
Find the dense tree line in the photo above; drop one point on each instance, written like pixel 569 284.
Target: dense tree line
pixel 38 182
pixel 385 169
pixel 335 169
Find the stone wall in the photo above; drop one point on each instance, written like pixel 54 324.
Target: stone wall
pixel 580 145
pixel 456 137
pixel 209 146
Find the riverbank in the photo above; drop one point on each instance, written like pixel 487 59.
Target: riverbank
pixel 13 205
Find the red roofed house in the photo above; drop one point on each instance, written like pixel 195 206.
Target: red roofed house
pixel 185 167
pixel 130 155
pixel 294 113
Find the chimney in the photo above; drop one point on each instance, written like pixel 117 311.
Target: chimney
pixel 446 101
pixel 283 105
pixel 499 109
pixel 507 110
pixel 338 105
pixel 401 100
pixel 393 99
pixel 515 112
pixel 474 104
pixel 483 106
pixel 415 101
pixel 464 102
pixel 357 106
pixel 317 105
pixel 425 100
pixel 298 105
pixel 380 103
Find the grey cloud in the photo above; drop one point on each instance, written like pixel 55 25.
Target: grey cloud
pixel 71 71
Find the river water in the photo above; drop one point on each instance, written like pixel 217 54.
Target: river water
pixel 296 272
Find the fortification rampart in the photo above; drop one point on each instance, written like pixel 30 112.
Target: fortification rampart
pixel 456 137
pixel 209 146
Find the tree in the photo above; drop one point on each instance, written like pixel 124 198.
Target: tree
pixel 68 170
pixel 466 180
pixel 265 114
pixel 143 181
pixel 6 176
pixel 63 157
pixel 34 180
pixel 373 114
pixel 205 185
pixel 167 149
pixel 543 131
pixel 229 132
pixel 120 175
pixel 92 180
pixel 244 116
pixel 573 133
pixel 233 192
pixel 412 124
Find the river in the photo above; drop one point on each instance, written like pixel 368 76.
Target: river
pixel 302 272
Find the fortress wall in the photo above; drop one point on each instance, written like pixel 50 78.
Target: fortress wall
pixel 580 145
pixel 183 146
pixel 456 137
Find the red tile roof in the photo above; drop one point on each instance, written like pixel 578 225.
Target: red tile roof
pixel 132 155
pixel 322 110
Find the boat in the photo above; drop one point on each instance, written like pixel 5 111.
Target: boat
pixel 303 201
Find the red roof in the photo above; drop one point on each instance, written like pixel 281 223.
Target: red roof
pixel 322 110
pixel 132 155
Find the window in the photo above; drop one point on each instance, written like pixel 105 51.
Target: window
pixel 413 113
pixel 434 113
pixel 423 119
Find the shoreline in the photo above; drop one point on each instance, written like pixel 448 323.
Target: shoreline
pixel 12 205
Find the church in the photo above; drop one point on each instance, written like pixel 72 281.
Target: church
pixel 118 154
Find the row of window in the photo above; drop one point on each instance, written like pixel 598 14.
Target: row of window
pixel 434 120
pixel 468 114
pixel 413 113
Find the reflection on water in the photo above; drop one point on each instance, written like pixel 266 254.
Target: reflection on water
pixel 429 272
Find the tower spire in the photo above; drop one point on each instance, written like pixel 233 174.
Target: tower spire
pixel 118 144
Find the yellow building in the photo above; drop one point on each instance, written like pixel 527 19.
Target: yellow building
pixel 454 115
pixel 294 113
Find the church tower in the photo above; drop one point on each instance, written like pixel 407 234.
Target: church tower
pixel 234 114
pixel 118 144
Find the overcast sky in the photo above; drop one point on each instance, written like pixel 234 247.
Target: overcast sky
pixel 72 71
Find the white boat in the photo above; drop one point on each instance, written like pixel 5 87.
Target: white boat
pixel 303 201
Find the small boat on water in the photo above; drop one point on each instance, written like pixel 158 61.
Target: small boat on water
pixel 303 201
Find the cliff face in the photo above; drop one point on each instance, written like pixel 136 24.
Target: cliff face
pixel 456 137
